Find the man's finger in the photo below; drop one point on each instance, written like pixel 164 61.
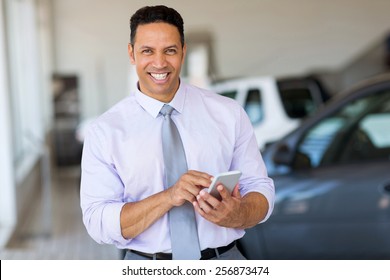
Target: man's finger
pixel 211 200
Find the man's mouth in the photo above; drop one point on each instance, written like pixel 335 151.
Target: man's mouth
pixel 159 76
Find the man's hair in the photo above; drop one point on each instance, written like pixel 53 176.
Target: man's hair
pixel 152 14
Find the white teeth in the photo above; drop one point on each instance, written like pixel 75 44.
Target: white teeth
pixel 159 76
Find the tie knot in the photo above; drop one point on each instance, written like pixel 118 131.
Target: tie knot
pixel 166 110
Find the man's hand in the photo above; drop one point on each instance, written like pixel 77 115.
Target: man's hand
pixel 136 217
pixel 224 213
pixel 188 187
pixel 232 211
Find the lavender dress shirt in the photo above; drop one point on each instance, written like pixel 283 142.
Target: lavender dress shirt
pixel 123 162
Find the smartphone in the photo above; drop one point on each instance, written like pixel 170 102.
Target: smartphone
pixel 228 179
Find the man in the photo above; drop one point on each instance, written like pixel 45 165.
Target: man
pixel 125 197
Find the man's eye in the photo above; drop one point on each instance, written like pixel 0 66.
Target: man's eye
pixel 171 51
pixel 146 51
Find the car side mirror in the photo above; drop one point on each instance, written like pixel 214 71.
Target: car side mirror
pixel 301 161
pixel 283 155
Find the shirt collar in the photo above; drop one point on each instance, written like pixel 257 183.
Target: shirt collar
pixel 153 106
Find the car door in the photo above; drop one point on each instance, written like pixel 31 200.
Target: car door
pixel 331 213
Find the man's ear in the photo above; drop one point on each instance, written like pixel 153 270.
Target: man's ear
pixel 130 50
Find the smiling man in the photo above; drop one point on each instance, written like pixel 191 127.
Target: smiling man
pixel 158 54
pixel 137 187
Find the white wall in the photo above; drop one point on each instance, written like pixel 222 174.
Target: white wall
pixel 252 37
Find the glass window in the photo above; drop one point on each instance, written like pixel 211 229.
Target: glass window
pixel 369 139
pixel 376 127
pixel 231 94
pixel 26 84
pixel 253 106
pixel 357 132
pixel 297 102
pixel 318 139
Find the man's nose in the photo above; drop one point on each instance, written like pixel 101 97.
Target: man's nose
pixel 159 60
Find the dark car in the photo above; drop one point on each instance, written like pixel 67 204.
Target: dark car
pixel 332 179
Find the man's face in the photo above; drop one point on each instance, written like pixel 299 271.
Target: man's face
pixel 158 56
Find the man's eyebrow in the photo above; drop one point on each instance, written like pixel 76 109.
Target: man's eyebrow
pixel 168 47
pixel 146 47
pixel 173 46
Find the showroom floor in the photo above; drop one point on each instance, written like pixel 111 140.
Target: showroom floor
pixel 57 232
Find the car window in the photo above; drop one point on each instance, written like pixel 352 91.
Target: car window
pixel 319 138
pixel 297 102
pixel 254 106
pixel 376 126
pixel 369 139
pixel 357 132
pixel 231 94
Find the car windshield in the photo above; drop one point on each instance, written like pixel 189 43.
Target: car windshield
pixel 357 132
pixel 297 102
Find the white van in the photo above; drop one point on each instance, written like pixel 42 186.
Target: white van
pixel 274 106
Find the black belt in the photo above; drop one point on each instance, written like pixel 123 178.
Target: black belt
pixel 207 254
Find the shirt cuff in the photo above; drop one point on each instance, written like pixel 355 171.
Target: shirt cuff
pixel 270 198
pixel 111 219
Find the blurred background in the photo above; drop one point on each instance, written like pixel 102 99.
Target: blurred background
pixel 64 62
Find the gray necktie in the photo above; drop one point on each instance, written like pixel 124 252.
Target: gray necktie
pixel 184 234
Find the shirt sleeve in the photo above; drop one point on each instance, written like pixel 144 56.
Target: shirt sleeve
pixel 101 191
pixel 247 158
